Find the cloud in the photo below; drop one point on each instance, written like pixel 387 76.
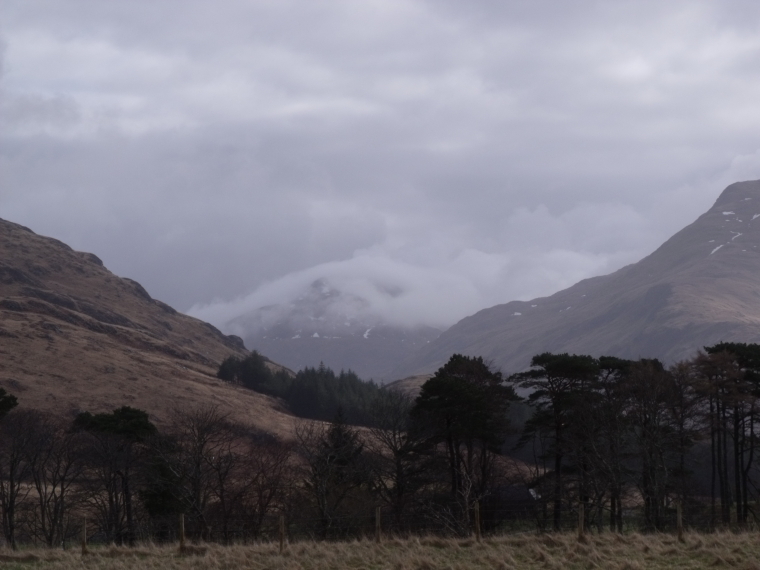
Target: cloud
pixel 440 282
pixel 464 154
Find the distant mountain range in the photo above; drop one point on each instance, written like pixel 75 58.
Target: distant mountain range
pixel 333 327
pixel 75 337
pixel 700 287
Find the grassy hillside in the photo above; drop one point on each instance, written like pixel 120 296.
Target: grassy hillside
pixel 74 337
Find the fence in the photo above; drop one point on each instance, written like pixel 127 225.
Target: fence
pixel 444 520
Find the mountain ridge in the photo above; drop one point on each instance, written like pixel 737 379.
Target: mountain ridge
pixel 697 288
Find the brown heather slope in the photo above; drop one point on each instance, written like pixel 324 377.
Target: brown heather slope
pixel 73 337
pixel 700 287
pixel 411 385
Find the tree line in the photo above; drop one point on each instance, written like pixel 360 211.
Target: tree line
pixel 616 438
pixel 603 435
pixel 610 433
pixel 314 393
pixel 130 479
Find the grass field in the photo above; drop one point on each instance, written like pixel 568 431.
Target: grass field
pixel 633 551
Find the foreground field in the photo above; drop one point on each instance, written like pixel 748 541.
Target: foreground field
pixel 630 552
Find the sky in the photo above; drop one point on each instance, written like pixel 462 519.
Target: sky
pixel 433 157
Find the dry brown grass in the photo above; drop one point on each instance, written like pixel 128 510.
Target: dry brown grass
pixel 629 552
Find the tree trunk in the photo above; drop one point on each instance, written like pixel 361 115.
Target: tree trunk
pixel 727 495
pixel 558 492
pixel 713 460
pixel 128 509
pixel 613 512
pixel 748 464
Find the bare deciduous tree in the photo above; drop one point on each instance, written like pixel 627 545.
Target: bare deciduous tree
pixel 334 466
pixel 398 465
pixel 54 455
pixel 270 471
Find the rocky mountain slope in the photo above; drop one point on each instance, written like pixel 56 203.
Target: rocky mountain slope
pixel 330 326
pixel 700 287
pixel 75 337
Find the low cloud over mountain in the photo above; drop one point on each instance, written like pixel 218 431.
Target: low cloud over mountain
pixel 339 329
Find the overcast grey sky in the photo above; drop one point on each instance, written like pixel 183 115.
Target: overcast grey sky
pixel 435 157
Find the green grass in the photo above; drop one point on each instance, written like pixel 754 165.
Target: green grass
pixel 628 552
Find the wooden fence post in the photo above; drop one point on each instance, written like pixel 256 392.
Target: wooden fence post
pixel 477 521
pixel 282 533
pixel 84 536
pixel 679 520
pixel 581 522
pixel 181 531
pixel 378 528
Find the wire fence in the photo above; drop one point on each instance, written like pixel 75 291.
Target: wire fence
pixel 443 520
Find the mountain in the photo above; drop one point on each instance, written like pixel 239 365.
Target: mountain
pixel 700 287
pixel 73 337
pixel 327 325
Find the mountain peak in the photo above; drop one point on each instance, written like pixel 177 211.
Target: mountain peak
pixel 696 289
pixel 738 193
pixel 325 324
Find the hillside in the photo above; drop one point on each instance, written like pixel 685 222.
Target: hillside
pixel 73 337
pixel 410 385
pixel 700 287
